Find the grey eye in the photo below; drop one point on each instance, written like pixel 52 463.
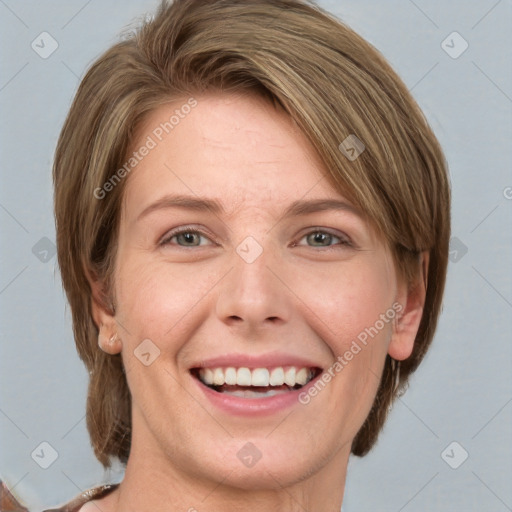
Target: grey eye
pixel 189 238
pixel 321 239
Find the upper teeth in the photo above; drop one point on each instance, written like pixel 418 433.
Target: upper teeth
pixel 291 376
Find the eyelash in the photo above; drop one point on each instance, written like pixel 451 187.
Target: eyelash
pixel 343 241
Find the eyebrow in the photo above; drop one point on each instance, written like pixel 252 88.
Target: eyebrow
pixel 297 208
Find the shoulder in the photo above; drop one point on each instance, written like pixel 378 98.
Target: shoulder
pixel 9 503
pixel 82 502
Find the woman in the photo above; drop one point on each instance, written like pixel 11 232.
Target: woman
pixel 252 224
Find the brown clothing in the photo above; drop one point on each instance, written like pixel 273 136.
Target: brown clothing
pixel 8 503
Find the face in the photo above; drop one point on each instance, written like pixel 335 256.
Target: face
pixel 254 303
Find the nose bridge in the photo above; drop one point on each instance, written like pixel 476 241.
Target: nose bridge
pixel 251 294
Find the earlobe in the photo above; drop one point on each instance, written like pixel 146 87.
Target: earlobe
pixel 408 320
pixel 111 345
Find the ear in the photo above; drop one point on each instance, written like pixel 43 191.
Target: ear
pixel 412 299
pixel 103 314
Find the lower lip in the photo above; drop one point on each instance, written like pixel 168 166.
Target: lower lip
pixel 254 406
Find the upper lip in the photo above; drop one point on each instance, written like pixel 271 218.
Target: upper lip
pixel 269 360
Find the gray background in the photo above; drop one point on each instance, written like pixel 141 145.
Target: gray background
pixel 463 390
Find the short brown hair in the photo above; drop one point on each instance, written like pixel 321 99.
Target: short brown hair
pixel 329 80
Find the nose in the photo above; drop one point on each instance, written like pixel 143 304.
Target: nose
pixel 254 295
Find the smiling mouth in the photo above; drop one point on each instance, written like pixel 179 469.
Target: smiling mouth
pixel 249 383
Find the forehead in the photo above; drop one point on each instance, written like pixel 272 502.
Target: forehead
pixel 237 148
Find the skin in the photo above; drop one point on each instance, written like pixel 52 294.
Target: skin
pixel 304 295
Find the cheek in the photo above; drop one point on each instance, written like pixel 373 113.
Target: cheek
pixel 349 300
pixel 345 307
pixel 349 313
pixel 155 298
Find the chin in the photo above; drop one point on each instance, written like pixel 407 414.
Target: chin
pixel 259 463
